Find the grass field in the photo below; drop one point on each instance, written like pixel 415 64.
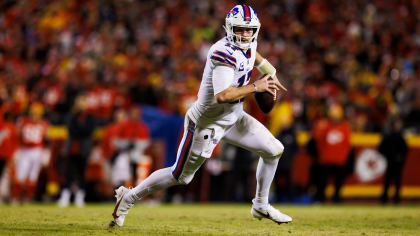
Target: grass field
pixel 210 220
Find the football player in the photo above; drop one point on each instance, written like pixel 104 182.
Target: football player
pixel 218 114
pixel 32 153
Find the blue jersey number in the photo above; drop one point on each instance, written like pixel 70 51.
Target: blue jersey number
pixel 244 79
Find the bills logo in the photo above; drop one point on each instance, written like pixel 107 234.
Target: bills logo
pixel 233 12
pixel 215 141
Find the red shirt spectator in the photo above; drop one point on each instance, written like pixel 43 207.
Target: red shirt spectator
pixel 135 130
pixel 113 132
pixel 110 133
pixel 333 141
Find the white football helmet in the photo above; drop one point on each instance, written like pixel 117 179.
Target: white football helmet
pixel 242 16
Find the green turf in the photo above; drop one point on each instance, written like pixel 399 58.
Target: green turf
pixel 210 220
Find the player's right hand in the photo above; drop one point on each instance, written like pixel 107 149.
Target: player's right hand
pixel 267 84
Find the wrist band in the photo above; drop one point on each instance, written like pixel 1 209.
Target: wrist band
pixel 255 87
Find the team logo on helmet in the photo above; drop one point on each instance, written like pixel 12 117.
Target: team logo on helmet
pixel 233 12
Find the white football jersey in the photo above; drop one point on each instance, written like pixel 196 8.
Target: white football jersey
pixel 222 53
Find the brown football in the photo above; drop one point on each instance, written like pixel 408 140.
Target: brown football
pixel 264 100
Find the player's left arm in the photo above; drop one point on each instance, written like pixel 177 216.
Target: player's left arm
pixel 265 67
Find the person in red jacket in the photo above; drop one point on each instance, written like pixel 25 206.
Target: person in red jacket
pixel 111 134
pixel 332 137
pixel 137 132
pixel 124 143
pixel 114 146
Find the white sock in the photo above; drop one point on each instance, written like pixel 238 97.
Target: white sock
pixel 158 180
pixel 265 174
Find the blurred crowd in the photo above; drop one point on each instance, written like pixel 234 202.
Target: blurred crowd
pixel 115 55
pixel 363 55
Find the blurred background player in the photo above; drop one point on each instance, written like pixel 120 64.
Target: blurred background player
pixel 332 137
pixel 394 148
pixel 218 114
pixel 32 153
pixel 80 125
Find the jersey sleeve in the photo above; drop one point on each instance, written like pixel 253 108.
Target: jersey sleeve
pixel 222 78
pixel 223 56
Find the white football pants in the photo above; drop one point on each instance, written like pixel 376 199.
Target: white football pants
pixel 198 144
pixel 28 163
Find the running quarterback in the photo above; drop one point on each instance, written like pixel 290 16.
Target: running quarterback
pixel 218 114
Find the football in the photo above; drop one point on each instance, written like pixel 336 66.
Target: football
pixel 264 100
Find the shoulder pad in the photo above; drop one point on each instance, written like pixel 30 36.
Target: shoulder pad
pixel 224 55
